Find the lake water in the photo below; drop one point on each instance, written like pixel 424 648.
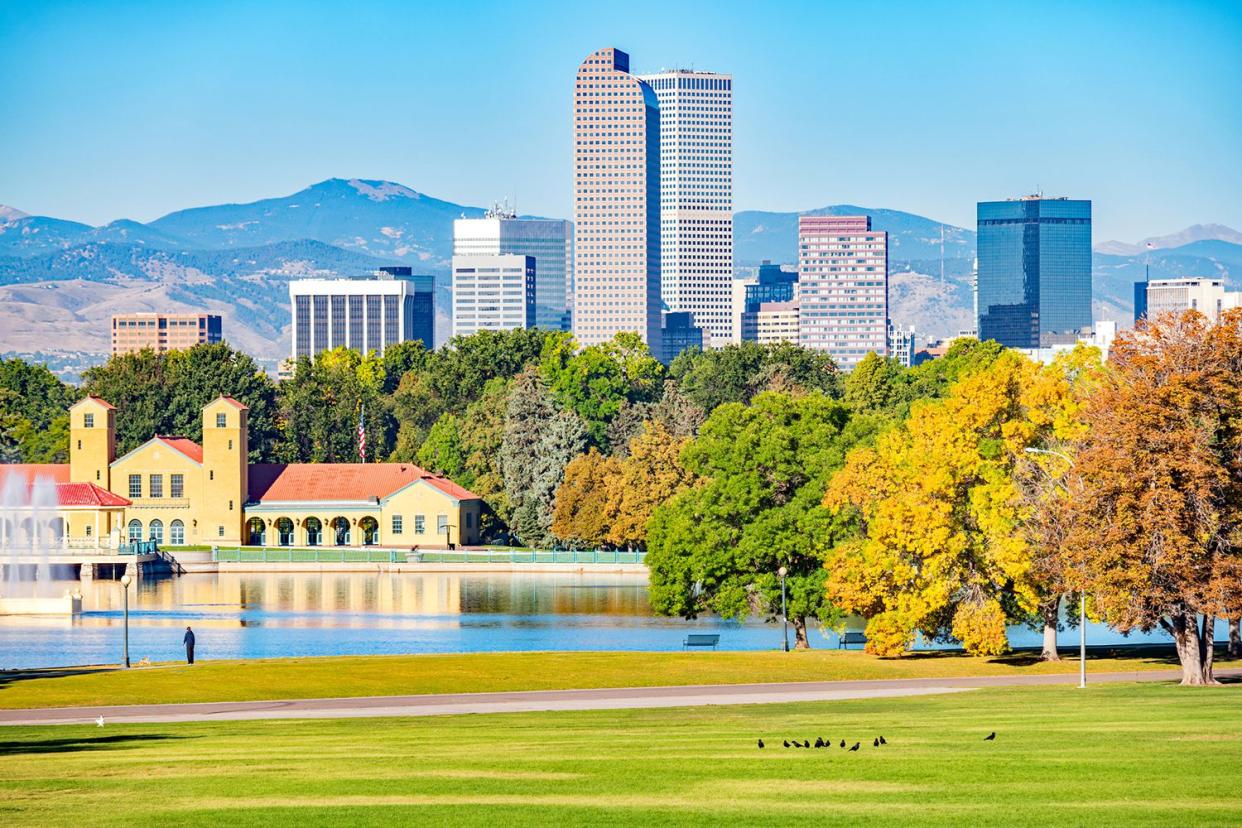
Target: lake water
pixel 305 614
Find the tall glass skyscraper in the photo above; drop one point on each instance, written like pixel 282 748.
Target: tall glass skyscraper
pixel 1034 283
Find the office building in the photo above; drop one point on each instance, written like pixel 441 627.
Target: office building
pixel 771 322
pixel 550 241
pixel 696 196
pixel 843 287
pixel 771 284
pixel 1034 280
pixel 679 333
pixel 362 314
pixel 901 346
pixel 616 203
pixel 493 293
pixel 1203 294
pixel 160 332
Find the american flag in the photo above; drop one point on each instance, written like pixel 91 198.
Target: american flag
pixel 362 435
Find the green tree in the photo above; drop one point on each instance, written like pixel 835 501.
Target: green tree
pixel 763 468
pixel 736 373
pixel 34 427
pixel 442 452
pixel 321 405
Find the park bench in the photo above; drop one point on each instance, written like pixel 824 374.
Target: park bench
pixel 851 638
pixel 699 640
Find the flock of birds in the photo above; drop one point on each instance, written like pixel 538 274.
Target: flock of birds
pixel 821 742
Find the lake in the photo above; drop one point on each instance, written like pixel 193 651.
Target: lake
pixel 316 614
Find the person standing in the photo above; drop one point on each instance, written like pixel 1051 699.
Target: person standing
pixel 188 640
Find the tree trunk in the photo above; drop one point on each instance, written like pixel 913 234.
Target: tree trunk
pixel 1235 637
pixel 800 640
pixel 1051 611
pixel 1195 659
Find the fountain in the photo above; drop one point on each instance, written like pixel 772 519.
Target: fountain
pixel 29 521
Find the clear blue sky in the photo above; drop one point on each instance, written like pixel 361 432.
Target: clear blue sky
pixel 111 110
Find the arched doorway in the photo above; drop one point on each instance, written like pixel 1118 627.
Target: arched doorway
pixel 314 532
pixel 256 531
pixel 156 531
pixel 284 531
pixel 369 527
pixel 176 533
pixel 135 531
pixel 340 531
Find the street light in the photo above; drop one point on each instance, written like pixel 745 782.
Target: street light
pixel 1082 594
pixel 782 572
pixel 125 581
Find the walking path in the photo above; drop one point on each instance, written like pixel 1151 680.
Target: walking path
pixel 536 700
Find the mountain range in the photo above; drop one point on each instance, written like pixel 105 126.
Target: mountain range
pixel 236 259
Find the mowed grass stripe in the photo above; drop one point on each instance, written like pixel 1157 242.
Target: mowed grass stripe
pixel 1062 755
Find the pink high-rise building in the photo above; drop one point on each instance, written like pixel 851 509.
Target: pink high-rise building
pixel 616 202
pixel 843 279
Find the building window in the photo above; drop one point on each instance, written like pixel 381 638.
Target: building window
pixel 284 530
pixel 155 531
pixel 176 533
pixel 79 445
pixel 211 474
pixel 419 525
pixel 176 485
pixel 135 531
pixel 219 531
pixel 397 524
pixel 441 524
pixel 88 421
pixel 135 486
pixel 221 420
pixel 230 445
pixel 314 532
pixel 97 474
pixel 156 484
pixel 469 520
pixel 230 505
pixel 88 530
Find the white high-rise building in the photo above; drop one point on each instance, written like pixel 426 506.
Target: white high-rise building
pixel 493 293
pixel 362 314
pixel 551 241
pixel 1204 294
pixel 696 197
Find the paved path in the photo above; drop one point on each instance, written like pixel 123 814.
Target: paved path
pixel 515 702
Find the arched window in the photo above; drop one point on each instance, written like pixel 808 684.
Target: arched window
pixel 370 531
pixel 155 531
pixel 340 531
pixel 135 531
pixel 256 528
pixel 284 527
pixel 314 532
pixel 176 533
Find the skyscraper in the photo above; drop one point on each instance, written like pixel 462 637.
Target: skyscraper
pixel 362 314
pixel 696 196
pixel 493 293
pixel 616 202
pixel 500 232
pixel 1034 283
pixel 843 287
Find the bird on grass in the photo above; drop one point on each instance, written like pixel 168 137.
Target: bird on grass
pixel 990 737
pixel 99 722
pixel 819 741
pixel 842 743
pixel 786 743
pixel 875 742
pixel 761 744
pixel 855 747
pixel 882 741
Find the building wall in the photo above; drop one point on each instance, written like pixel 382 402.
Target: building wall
pixel 843 287
pixel 132 332
pixel 1207 296
pixel 696 197
pixel 151 459
pixel 362 314
pixel 493 293
pixel 92 441
pixel 771 323
pixel 549 241
pixel 616 202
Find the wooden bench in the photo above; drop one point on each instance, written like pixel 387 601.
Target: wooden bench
pixel 851 638
pixel 700 640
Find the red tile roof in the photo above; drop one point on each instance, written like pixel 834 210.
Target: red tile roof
pixel 184 445
pixel 238 405
pixel 87 494
pixel 56 472
pixel 99 400
pixel 275 482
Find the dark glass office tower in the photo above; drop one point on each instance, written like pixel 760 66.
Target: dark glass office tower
pixel 1034 284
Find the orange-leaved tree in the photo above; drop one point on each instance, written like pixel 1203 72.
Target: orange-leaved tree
pixel 1156 534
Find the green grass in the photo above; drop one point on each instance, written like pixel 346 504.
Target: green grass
pixel 479 672
pixel 1130 754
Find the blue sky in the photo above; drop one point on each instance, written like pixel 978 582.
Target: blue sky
pixel 111 110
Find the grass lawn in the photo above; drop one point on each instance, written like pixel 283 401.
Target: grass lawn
pixel 1124 754
pixel 480 672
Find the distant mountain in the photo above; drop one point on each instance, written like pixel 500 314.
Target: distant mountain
pixel 32 235
pixel 1194 233
pixel 10 213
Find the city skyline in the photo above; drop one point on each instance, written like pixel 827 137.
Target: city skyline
pixel 216 108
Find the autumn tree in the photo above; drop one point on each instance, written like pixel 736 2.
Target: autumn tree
pixel 586 501
pixel 1157 485
pixel 762 469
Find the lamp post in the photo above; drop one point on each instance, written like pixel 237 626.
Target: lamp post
pixel 782 572
pixel 1082 594
pixel 125 581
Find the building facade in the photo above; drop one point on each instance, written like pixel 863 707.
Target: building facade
pixel 362 314
pixel 1205 295
pixel 551 243
pixel 843 287
pixel 772 322
pixel 176 491
pixel 616 203
pixel 679 334
pixel 1033 287
pixel 770 284
pixel 696 196
pixel 160 332
pixel 493 293
pixel 901 344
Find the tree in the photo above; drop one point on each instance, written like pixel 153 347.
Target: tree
pixel 1156 538
pixel 762 469
pixel 323 402
pixel 876 385
pixel 736 373
pixel 650 475
pixel 34 426
pixel 442 452
pixel 586 505
pixel 482 435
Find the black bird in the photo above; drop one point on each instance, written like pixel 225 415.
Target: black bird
pixel 819 741
pixel 882 741
pixel 855 747
pixel 807 743
pixel 990 736
pixel 786 743
pixel 842 743
pixel 761 744
pixel 875 743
